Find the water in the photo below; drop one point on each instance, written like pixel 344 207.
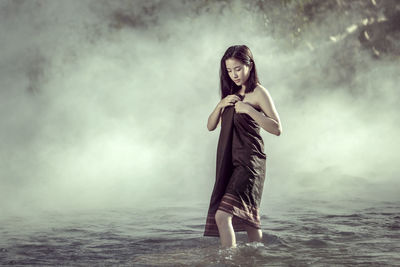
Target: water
pixel 295 233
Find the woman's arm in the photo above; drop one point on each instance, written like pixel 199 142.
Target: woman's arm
pixel 215 116
pixel 268 119
pixel 265 122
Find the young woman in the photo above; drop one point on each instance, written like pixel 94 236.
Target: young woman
pixel 245 106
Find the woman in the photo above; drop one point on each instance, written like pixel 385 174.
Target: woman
pixel 245 106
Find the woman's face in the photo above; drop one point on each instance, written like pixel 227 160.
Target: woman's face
pixel 238 72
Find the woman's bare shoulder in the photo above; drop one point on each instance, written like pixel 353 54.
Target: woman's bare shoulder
pixel 260 89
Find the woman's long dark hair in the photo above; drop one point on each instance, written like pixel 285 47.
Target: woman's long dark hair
pixel 244 55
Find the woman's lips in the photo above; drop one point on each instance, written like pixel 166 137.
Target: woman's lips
pixel 236 81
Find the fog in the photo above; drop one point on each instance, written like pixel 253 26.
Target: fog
pixel 105 104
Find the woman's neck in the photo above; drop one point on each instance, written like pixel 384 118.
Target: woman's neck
pixel 242 90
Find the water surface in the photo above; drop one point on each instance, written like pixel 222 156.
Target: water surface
pixel 295 233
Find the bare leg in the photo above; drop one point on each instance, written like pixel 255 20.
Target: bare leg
pixel 253 234
pixel 225 228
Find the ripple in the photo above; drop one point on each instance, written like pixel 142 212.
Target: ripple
pixel 357 216
pixel 344 233
pixel 315 243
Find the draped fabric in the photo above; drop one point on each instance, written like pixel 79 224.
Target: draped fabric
pixel 240 172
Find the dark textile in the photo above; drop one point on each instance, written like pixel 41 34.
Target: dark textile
pixel 240 172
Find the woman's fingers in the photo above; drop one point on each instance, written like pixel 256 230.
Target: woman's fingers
pixel 230 100
pixel 234 98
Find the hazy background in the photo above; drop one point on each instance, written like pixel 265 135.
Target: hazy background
pixel 105 104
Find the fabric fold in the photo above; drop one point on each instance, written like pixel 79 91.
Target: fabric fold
pixel 240 172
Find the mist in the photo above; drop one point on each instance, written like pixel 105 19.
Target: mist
pixel 105 104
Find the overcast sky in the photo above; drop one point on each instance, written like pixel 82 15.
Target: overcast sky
pixel 105 103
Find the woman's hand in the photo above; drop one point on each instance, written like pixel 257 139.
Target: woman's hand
pixel 215 116
pixel 242 107
pixel 229 100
